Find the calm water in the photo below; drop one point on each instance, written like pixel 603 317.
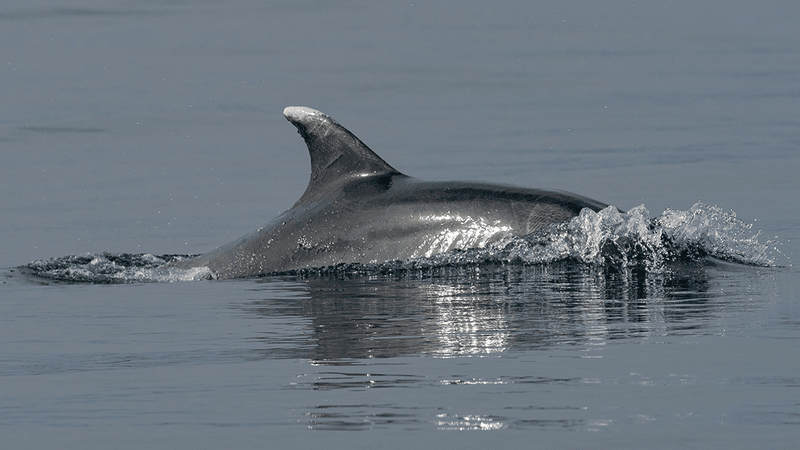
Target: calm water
pixel 156 127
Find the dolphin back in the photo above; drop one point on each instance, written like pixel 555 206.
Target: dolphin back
pixel 359 209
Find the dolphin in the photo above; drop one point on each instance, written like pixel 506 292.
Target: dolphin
pixel 359 209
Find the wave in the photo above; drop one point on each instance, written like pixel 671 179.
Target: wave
pixel 609 239
pixel 113 268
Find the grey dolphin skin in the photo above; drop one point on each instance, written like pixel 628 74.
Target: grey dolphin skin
pixel 359 209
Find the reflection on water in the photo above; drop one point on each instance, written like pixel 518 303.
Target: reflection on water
pixel 484 310
pixel 366 332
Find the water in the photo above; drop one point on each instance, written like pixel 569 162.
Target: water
pixel 154 128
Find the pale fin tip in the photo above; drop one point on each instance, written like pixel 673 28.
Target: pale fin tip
pixel 299 112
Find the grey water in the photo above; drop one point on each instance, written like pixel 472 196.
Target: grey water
pixel 155 127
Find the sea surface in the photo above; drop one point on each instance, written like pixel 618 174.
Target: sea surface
pixel 133 130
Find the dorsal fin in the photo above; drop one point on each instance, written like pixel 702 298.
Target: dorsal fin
pixel 336 153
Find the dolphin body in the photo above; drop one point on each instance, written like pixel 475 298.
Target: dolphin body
pixel 359 209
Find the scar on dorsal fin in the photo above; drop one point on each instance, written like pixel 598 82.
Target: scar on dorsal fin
pixel 336 153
